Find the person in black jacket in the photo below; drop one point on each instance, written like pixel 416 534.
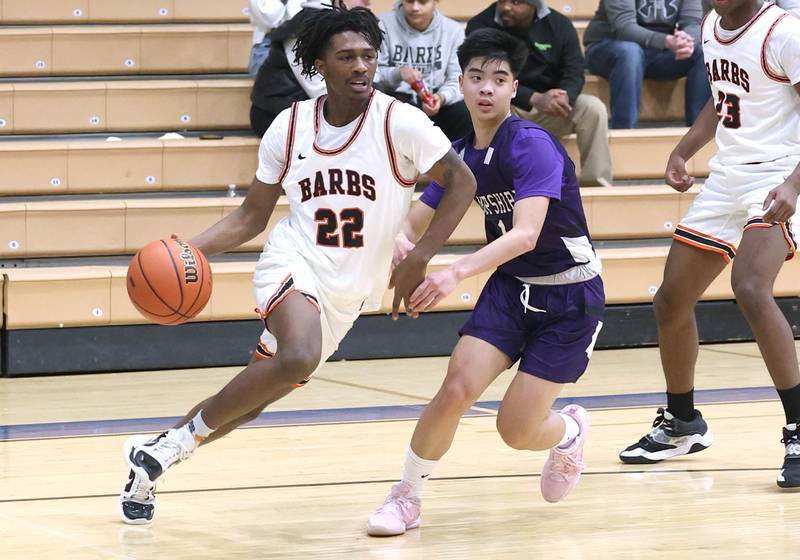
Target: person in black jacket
pixel 551 81
pixel 276 87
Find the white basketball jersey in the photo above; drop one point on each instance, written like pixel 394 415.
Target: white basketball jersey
pixel 347 202
pixel 758 108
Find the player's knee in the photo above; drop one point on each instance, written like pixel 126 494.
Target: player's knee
pixel 515 436
pixel 667 304
pixel 751 293
pixel 298 363
pixel 455 394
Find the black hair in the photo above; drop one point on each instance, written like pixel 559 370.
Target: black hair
pixel 317 31
pixel 493 45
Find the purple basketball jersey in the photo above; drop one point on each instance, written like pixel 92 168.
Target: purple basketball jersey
pixel 525 160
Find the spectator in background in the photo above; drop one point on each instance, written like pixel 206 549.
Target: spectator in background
pixel 791 6
pixel 420 44
pixel 630 40
pixel 266 15
pixel 279 81
pixel 551 81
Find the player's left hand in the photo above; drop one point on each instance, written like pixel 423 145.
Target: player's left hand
pixel 402 247
pixel 409 273
pixel 436 286
pixel 780 203
pixel 431 111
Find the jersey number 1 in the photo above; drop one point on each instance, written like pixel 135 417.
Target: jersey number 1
pixel 732 117
pixel 352 222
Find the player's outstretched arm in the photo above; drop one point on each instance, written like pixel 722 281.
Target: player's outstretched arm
pixel 243 224
pixel 700 134
pixel 453 175
pixel 529 216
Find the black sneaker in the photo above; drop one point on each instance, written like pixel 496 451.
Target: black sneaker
pixel 789 477
pixel 670 437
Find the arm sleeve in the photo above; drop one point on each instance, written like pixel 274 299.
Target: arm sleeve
pixel 272 150
pixel 572 63
pixel 418 142
pixel 622 16
pixel 690 17
pixel 432 195
pixel 315 86
pixel 449 91
pixel 538 166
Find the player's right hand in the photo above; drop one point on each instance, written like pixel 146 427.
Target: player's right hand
pixel 410 75
pixel 676 175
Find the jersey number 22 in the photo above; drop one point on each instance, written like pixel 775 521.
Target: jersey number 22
pixel 351 221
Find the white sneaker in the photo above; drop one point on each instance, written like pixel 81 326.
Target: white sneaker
pixel 137 501
pixel 151 459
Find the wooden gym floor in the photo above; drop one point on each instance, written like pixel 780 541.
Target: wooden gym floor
pixel 302 481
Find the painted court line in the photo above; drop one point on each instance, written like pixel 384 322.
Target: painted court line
pixel 364 414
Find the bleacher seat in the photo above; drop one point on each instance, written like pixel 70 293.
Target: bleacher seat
pixel 116 226
pixel 121 11
pixel 96 295
pixel 147 165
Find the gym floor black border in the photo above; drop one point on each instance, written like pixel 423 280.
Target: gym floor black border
pixel 230 343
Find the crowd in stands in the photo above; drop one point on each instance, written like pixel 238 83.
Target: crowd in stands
pixel 626 42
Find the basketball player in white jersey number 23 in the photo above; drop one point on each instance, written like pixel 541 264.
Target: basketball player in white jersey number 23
pixel 348 163
pixel 744 210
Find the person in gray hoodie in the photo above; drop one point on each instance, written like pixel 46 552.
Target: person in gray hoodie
pixel 420 44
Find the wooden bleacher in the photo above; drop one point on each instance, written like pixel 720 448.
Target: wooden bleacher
pixel 96 295
pixel 100 50
pixel 115 49
pixel 55 167
pixel 16 12
pixel 65 227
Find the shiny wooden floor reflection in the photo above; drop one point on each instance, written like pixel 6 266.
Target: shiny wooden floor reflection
pixel 305 491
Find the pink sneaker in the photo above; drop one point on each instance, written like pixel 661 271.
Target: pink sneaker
pixel 563 467
pixel 398 513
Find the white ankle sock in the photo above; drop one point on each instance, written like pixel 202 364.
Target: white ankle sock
pixel 198 428
pixel 416 471
pixel 570 433
pixel 791 427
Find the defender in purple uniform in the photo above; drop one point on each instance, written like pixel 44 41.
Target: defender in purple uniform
pixel 542 305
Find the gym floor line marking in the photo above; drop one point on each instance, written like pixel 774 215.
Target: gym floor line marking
pixel 15 432
pixel 656 471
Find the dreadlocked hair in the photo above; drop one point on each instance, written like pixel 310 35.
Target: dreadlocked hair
pixel 317 30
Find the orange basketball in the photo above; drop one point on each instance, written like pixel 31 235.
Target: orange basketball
pixel 169 281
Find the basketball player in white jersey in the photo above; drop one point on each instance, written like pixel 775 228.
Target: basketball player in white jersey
pixel 348 164
pixel 752 56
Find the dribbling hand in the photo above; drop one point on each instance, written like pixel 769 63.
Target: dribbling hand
pixel 780 203
pixel 676 175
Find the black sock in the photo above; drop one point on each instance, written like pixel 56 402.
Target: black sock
pixel 681 405
pixel 791 403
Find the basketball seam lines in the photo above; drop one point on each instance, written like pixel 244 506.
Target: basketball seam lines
pixel 149 285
